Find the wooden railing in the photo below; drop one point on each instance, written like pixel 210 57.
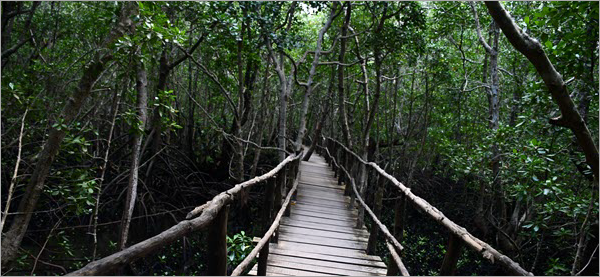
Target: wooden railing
pixel 391 242
pixel 345 163
pixel 213 215
pixel 271 234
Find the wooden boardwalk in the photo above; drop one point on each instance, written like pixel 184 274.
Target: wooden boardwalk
pixel 320 236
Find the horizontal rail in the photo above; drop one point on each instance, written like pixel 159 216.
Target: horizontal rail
pixel 487 251
pixel 381 226
pixel 112 262
pixel 266 238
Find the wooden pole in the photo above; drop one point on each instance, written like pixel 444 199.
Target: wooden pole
pixel 372 244
pixel 340 156
pixel 217 244
pixel 268 204
pixel 262 260
pixel 452 254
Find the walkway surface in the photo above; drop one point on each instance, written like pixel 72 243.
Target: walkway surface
pixel 320 237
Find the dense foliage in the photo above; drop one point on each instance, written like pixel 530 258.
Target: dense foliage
pixel 185 99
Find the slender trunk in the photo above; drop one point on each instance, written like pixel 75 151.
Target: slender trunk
pixel 94 223
pixel 142 100
pixel 262 118
pixel 319 127
pixel 341 97
pixel 309 84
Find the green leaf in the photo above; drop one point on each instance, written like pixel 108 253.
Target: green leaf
pixel 548 44
pixel 11 85
pixel 526 20
pixel 535 178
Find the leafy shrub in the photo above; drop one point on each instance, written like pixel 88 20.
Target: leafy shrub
pixel 238 247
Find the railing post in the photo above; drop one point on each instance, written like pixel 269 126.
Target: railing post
pixel 452 254
pixel 364 182
pixel 284 183
pixel 399 208
pixel 217 244
pixel 349 185
pixel 340 160
pixel 268 204
pixel 273 185
pixel 374 232
pixel 263 256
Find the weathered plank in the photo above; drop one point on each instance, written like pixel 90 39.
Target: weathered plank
pixel 333 216
pixel 275 250
pixel 359 269
pixel 314 240
pixel 328 250
pixel 317 269
pixel 323 233
pixel 304 207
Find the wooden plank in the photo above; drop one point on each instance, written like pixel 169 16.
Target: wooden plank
pixel 314 240
pixel 318 172
pixel 323 191
pixel 334 265
pixel 318 269
pixel 323 233
pixel 316 197
pixel 334 216
pixel 253 272
pixel 316 226
pixel 327 250
pixel 282 271
pixel 331 187
pixel 322 203
pixel 317 179
pixel 311 208
pixel 323 257
pixel 319 226
pixel 327 222
pixel 321 186
pixel 320 194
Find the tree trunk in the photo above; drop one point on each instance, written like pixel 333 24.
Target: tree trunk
pixel 532 49
pixel 12 239
pixel 142 100
pixel 309 87
pixel 341 97
pixel 319 127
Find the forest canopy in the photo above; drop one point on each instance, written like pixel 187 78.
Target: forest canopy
pixel 119 118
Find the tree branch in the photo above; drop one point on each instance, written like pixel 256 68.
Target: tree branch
pixel 486 46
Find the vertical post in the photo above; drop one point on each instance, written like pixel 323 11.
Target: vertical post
pixel 340 161
pixel 374 232
pixel 284 191
pixel 350 169
pixel 452 254
pixel 276 205
pixel 268 204
pixel 399 208
pixel 263 256
pixel 217 244
pixel 362 190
